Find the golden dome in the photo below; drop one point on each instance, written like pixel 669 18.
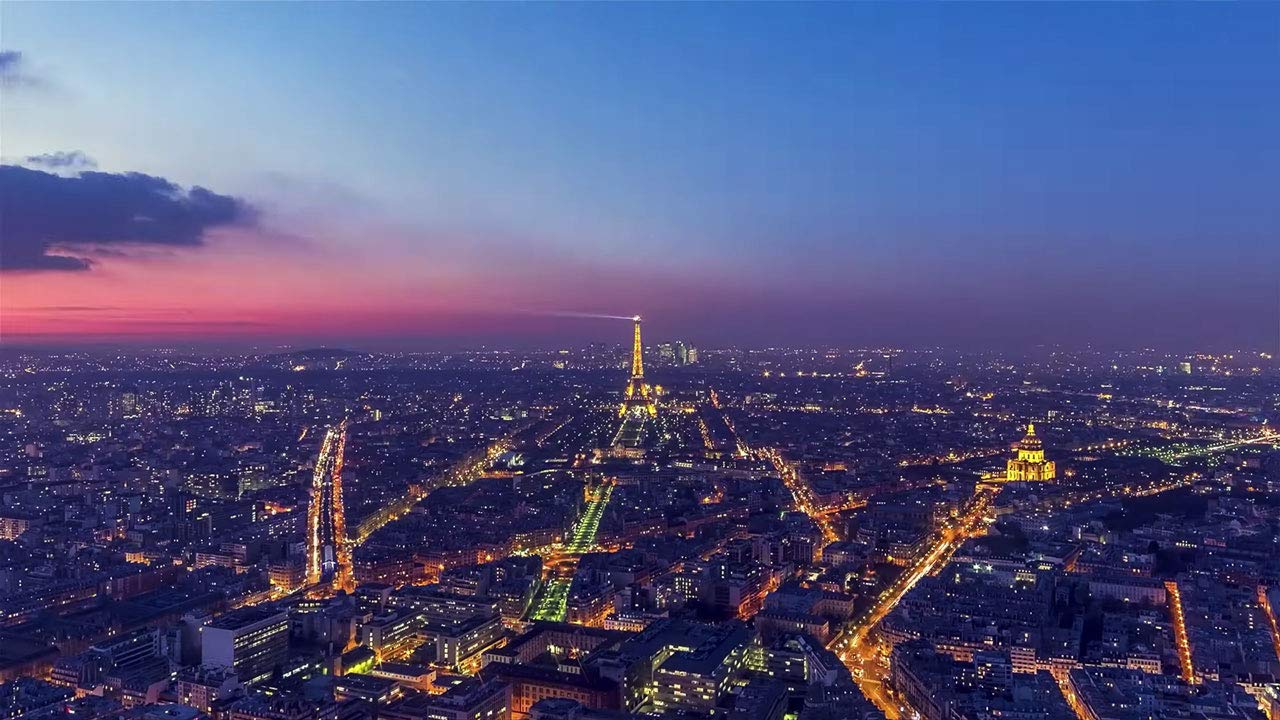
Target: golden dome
pixel 1030 441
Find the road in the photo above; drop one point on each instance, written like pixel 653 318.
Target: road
pixel 1064 501
pixel 465 471
pixel 1264 438
pixel 582 538
pixel 868 660
pixel 801 493
pixel 552 600
pixel 1265 602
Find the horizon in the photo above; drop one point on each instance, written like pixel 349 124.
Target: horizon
pixel 386 347
pixel 413 176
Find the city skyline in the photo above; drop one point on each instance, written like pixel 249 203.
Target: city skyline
pixel 390 177
pixel 639 361
pixel 763 535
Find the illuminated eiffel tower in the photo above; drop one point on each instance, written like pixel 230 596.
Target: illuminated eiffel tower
pixel 328 549
pixel 639 400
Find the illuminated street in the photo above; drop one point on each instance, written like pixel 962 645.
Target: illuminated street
pixel 802 493
pixel 1180 631
pixel 867 660
pixel 582 537
pixel 550 603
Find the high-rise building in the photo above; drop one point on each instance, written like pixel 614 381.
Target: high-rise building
pixel 677 352
pixel 251 641
pixel 682 353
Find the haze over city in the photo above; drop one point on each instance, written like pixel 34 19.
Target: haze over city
pixel 409 176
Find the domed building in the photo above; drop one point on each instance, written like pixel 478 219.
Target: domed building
pixel 1030 465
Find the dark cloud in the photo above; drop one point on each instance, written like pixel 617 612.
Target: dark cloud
pixel 12 72
pixel 51 222
pixel 63 160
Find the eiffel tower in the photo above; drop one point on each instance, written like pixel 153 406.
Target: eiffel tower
pixel 638 401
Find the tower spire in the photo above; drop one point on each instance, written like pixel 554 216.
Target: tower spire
pixel 638 397
pixel 637 352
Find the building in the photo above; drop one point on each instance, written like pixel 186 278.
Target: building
pixel 369 688
pixel 457 629
pixel 287 575
pixel 939 687
pixel 693 669
pixel 200 687
pixel 1128 588
pixel 252 641
pixel 1099 693
pixel 556 660
pixel 530 684
pixel 677 353
pixel 390 634
pixel 1030 465
pixel 775 622
pixel 471 699
pixel 279 707
pixel 558 639
pixel 760 699
pixel 13 525
pixel 125 652
pixel 562 709
pixel 689 356
pixel 419 677
pixel 801 659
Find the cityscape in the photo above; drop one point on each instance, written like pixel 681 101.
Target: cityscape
pixel 639 361
pixel 640 530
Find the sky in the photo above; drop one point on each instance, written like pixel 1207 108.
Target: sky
pixel 400 175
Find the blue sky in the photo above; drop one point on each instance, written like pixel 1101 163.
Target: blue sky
pixel 909 173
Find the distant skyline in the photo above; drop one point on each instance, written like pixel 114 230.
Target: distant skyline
pixel 404 175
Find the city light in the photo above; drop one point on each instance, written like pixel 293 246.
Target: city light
pixel 324 393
